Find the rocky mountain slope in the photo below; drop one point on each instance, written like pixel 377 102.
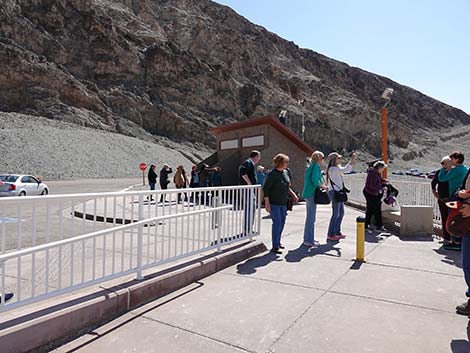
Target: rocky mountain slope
pixel 175 68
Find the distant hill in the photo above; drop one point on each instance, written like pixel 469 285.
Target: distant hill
pixel 175 68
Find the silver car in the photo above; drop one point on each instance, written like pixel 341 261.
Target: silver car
pixel 21 185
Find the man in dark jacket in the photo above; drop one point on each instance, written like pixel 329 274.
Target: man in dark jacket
pixel 440 189
pixel 247 172
pixel 164 179
pixel 247 176
pixel 152 177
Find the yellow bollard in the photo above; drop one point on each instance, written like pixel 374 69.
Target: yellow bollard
pixel 360 239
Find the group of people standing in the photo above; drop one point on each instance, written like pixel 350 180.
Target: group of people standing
pixel 277 192
pixel 446 184
pixel 202 176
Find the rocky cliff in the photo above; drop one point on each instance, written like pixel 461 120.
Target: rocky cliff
pixel 175 68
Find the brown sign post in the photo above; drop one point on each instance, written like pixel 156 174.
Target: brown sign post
pixel 143 168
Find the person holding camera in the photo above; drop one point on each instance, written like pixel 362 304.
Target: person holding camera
pixel 337 192
pixel 164 179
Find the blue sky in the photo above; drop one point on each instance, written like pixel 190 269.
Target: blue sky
pixel 424 44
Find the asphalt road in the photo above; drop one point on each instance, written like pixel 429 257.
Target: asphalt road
pixel 90 185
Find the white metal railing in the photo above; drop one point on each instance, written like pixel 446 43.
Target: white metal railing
pixel 124 233
pixel 410 192
pixel 30 221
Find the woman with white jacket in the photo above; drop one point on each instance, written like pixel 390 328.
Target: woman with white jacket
pixel 334 176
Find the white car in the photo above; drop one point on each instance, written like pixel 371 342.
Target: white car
pixel 21 185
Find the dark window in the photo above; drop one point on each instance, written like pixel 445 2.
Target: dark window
pixel 8 178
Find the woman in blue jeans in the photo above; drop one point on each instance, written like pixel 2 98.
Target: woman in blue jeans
pixel 334 176
pixel 276 194
pixel 313 180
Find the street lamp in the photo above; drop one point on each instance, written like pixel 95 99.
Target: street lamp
pixel 387 96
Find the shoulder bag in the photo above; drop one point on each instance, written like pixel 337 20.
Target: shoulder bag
pixel 339 195
pixel 321 196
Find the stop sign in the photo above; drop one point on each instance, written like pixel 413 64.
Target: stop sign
pixel 142 166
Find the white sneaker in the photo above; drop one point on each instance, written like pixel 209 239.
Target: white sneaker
pixel 308 244
pixel 316 243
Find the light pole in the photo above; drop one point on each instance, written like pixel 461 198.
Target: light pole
pixel 301 103
pixel 387 96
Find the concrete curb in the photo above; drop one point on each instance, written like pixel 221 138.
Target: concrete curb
pixel 49 328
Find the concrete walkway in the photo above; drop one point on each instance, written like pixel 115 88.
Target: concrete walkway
pixel 401 300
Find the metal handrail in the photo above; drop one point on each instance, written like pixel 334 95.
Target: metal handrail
pixel 47 250
pixel 31 250
pixel 122 193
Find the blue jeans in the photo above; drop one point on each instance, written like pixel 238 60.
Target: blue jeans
pixel 309 230
pixel 337 217
pixel 466 261
pixel 152 186
pixel 278 216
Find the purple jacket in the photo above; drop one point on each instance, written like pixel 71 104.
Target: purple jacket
pixel 373 182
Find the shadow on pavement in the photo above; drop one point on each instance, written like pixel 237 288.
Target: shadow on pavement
pixel 423 238
pixel 461 346
pixel 453 258
pixel 357 265
pixel 302 252
pixel 249 267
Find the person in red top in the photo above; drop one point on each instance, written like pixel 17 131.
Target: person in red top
pixel 373 192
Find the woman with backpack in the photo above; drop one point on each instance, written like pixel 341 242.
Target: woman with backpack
pixel 337 192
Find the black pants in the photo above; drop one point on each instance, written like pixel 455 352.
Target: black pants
pixel 374 209
pixel 444 210
pixel 163 187
pixel 181 193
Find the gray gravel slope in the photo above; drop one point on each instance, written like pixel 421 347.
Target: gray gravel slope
pixel 59 150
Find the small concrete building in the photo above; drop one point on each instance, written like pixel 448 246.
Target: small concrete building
pixel 265 134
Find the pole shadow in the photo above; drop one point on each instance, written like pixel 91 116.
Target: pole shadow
pixel 356 265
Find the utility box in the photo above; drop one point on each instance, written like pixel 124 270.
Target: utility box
pixel 416 220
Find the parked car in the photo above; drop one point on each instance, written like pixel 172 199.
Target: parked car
pixel 413 172
pixel 21 185
pixel 431 175
pixel 398 173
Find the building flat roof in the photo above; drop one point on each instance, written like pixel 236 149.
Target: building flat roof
pixel 265 120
